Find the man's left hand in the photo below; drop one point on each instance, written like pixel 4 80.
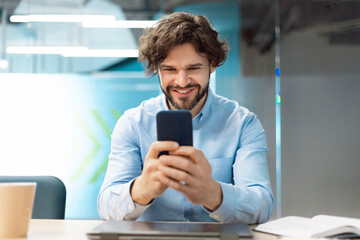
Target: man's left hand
pixel 188 171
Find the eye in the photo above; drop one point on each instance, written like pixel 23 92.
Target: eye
pixel 193 68
pixel 169 69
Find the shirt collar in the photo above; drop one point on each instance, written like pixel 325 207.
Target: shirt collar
pixel 164 105
pixel 206 108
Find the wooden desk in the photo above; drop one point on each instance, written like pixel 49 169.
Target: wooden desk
pixel 60 229
pixel 77 229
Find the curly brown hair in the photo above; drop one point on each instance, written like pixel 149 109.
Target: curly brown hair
pixel 176 29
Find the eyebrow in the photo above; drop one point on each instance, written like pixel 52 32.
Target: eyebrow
pixel 191 65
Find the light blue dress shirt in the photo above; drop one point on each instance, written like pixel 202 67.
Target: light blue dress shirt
pixel 232 139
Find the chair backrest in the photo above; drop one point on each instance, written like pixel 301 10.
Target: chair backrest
pixel 50 195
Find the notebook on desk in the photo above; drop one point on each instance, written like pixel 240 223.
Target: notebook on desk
pixel 169 230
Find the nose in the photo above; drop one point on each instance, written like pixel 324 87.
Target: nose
pixel 182 78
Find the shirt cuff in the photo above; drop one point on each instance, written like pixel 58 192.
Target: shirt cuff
pixel 226 209
pixel 132 209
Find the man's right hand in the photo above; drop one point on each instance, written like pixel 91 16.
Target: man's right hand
pixel 147 186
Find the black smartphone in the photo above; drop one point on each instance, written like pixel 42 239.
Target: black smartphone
pixel 174 125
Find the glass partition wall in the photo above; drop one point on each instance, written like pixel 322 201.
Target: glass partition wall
pixel 311 117
pixel 320 81
pixel 64 82
pixel 68 70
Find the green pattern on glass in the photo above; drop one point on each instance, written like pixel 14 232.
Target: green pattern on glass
pixel 101 122
pixel 100 171
pixel 107 130
pixel 115 114
pixel 96 144
pixel 96 147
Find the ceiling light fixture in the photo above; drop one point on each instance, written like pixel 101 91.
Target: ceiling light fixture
pixel 119 24
pixel 43 50
pixel 125 53
pixel 75 51
pixel 61 18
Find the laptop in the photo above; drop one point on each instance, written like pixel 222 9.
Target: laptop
pixel 169 230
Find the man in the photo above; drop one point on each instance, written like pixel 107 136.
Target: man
pixel 224 177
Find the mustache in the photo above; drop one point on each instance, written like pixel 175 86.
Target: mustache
pixel 190 85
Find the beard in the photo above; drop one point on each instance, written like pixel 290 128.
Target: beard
pixel 185 102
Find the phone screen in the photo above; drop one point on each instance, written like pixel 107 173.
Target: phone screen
pixel 175 125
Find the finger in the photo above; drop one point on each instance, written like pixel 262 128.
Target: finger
pixel 177 175
pixel 195 154
pixel 179 162
pixel 160 146
pixel 157 180
pixel 183 188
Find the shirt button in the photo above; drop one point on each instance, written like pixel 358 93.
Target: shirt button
pixel 129 206
pixel 216 216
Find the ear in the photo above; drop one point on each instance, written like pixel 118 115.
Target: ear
pixel 212 67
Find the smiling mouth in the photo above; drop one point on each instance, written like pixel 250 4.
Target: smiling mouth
pixel 183 91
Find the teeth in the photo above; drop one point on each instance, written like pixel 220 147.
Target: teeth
pixel 183 91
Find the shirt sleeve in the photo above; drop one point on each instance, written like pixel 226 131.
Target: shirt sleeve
pixel 250 199
pixel 114 200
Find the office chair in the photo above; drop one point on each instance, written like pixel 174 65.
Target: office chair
pixel 50 195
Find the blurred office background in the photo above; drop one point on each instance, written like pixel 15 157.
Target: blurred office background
pixel 68 70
